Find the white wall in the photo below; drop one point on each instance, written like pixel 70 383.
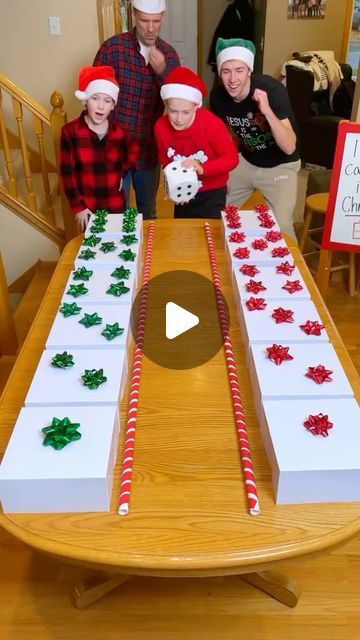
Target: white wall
pixel 40 63
pixel 21 245
pixel 283 36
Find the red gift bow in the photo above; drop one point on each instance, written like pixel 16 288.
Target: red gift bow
pixel 312 327
pixel 319 374
pixel 286 268
pixel 282 315
pixel 273 236
pixel 260 244
pixel 266 220
pixel 292 286
pixel 241 252
pixel 278 354
pixel 255 287
pixel 261 207
pixel 233 221
pixel 318 425
pixel 231 209
pixel 256 304
pixel 249 270
pixel 237 236
pixel 280 252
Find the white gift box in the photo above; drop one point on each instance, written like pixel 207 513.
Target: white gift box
pixel 56 386
pixel 260 328
pixel 310 468
pixel 110 261
pixel 114 227
pixel 68 333
pixel 39 479
pixel 97 287
pixel 181 184
pixel 273 282
pixel 256 256
pixel 287 381
pixel 250 223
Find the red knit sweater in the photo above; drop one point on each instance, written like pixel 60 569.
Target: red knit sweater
pixel 206 140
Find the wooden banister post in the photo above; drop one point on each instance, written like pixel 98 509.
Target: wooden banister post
pixel 8 337
pixel 58 118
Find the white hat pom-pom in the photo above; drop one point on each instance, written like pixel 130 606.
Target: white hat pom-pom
pixel 80 95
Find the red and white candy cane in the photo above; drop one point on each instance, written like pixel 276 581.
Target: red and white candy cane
pixel 244 446
pixel 129 445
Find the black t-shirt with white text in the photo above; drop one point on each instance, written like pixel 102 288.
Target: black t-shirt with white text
pixel 257 143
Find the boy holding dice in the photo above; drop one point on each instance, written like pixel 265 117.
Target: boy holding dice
pixel 196 140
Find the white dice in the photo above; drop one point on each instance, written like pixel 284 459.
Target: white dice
pixel 181 184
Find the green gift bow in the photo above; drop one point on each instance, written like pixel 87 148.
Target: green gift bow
pixel 60 433
pixel 90 320
pixel 112 331
pixel 63 360
pixel 87 254
pixel 129 239
pixel 129 226
pixel 127 255
pixel 77 290
pixel 82 273
pixel 101 214
pixel 91 241
pixel 98 226
pixel 117 289
pixel 106 247
pixel 130 211
pixel 69 309
pixel 93 378
pixel 121 273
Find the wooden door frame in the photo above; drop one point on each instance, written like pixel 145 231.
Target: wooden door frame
pixel 200 38
pixel 347 28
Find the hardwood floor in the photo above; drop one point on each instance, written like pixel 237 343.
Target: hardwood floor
pixel 35 590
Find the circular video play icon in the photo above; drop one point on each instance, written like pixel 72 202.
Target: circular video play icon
pixel 182 327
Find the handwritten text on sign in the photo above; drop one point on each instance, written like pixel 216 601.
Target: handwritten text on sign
pixel 346 221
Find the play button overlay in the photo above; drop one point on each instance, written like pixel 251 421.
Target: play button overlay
pixel 178 320
pixel 182 329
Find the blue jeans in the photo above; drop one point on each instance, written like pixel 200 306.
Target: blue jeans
pixel 145 183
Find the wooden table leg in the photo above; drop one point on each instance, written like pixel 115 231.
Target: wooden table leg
pixel 95 587
pixel 276 585
pixel 323 271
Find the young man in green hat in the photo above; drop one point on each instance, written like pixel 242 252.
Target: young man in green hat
pixel 256 108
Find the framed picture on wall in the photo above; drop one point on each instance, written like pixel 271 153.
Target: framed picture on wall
pixel 306 9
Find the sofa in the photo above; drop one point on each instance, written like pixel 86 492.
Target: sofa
pixel 317 119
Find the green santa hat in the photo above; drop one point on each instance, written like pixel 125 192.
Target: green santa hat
pixel 234 49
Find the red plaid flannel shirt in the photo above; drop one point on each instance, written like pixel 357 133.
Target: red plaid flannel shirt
pixel 139 104
pixel 91 169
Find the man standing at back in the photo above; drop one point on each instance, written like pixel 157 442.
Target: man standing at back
pixel 257 109
pixel 141 61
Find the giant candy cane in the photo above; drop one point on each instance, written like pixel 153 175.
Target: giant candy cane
pixel 243 440
pixel 129 444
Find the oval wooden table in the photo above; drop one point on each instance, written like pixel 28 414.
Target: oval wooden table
pixel 188 514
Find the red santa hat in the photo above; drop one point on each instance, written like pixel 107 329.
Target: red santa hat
pixel 183 83
pixel 99 79
pixel 149 6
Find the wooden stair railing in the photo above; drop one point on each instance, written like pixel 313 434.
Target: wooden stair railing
pixel 8 337
pixel 45 126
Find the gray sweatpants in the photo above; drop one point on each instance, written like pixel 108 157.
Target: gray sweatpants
pixel 277 184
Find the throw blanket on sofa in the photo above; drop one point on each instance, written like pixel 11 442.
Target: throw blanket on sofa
pixel 322 64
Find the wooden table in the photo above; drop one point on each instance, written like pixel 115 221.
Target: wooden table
pixel 189 513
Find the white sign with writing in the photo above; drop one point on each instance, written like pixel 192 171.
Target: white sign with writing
pixel 346 221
